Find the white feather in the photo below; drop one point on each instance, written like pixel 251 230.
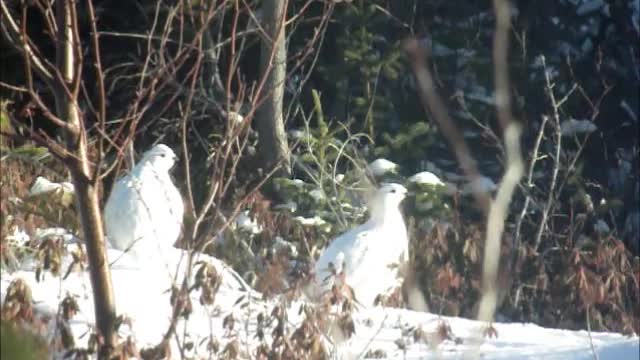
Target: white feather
pixel 143 214
pixel 371 253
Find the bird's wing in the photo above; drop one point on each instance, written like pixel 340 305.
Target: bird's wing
pixel 353 245
pixel 121 213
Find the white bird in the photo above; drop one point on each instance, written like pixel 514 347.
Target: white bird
pixel 143 214
pixel 371 254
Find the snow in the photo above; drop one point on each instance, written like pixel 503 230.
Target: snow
pixel 514 341
pixel 566 49
pixel 312 221
pixel 440 50
pixel 42 234
pixel 465 56
pixel 281 244
pixel 299 183
pixel 380 167
pixel 587 45
pixel 437 49
pixel 297 134
pixel 143 292
pixel 470 134
pixel 589 6
pixel 246 223
pixel 17 237
pixel 235 117
pixel 426 177
pixel 601 227
pixel 573 127
pixel 482 184
pixel 538 62
pixel 289 206
pixel 317 194
pixel 480 94
pixel 142 295
pixel 43 186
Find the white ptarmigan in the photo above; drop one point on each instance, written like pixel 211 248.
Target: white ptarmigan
pixel 371 254
pixel 143 215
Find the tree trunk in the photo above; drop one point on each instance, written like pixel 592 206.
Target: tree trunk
pixel 86 188
pixel 272 144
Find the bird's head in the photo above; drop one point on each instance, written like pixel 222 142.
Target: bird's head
pixel 160 157
pixel 388 197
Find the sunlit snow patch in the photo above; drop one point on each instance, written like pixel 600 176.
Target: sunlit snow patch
pixel 380 167
pixel 43 186
pixel 426 177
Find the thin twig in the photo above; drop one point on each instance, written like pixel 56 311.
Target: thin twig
pixel 593 349
pixel 17 37
pixel 102 97
pixel 556 159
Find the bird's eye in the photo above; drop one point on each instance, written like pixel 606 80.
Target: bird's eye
pixel 393 191
pixel 163 155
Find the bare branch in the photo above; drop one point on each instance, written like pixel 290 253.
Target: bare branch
pixel 22 43
pixel 556 158
pixel 498 209
pixel 102 97
pixel 431 101
pixel 515 168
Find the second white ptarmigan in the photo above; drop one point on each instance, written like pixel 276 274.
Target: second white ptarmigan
pixel 371 254
pixel 143 215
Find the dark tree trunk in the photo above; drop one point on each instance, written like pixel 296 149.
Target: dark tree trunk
pixel 274 150
pixel 86 189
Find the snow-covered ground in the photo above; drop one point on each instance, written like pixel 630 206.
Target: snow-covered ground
pixel 143 295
